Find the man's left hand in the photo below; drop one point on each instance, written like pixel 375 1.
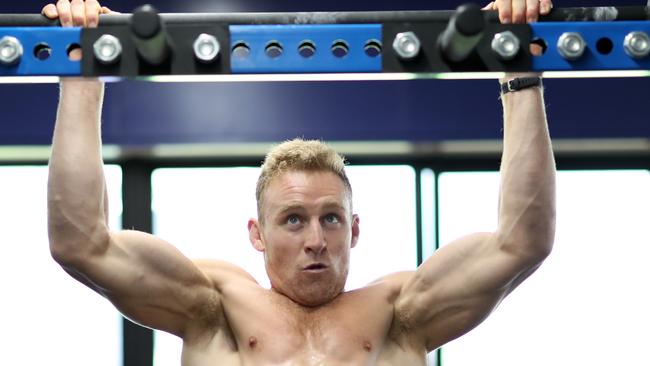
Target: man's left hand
pixel 520 11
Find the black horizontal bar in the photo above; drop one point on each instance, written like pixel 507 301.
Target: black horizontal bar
pixel 613 13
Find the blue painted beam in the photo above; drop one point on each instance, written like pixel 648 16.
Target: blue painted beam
pixel 593 58
pixel 57 40
pixel 321 38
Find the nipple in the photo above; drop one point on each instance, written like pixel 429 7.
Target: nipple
pixel 252 342
pixel 367 346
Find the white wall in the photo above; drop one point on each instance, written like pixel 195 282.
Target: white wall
pixel 47 317
pixel 588 303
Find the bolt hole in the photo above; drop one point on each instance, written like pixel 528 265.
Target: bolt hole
pixel 42 51
pixel 241 50
pixel 372 48
pixel 74 52
pixel 273 49
pixel 604 46
pixel 340 48
pixel 307 49
pixel 538 47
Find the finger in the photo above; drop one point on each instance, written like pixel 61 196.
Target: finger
pixel 75 54
pixel 49 11
pixel 78 13
pixel 545 7
pixel 536 50
pixel 65 16
pixel 505 10
pixel 519 11
pixel 92 13
pixel 106 10
pixel 489 6
pixel 532 10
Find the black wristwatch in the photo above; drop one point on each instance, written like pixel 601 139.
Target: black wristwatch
pixel 520 83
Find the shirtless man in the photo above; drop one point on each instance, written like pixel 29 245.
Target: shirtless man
pixel 305 230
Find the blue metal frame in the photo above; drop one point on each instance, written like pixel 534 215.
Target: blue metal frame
pixel 256 37
pixel 617 59
pixel 58 40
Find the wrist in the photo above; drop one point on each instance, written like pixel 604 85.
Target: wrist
pixel 514 75
pixel 521 83
pixel 82 88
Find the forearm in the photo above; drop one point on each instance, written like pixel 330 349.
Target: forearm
pixel 527 201
pixel 76 189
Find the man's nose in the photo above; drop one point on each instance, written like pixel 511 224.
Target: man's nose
pixel 315 240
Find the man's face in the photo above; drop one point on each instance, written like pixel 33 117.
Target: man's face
pixel 306 235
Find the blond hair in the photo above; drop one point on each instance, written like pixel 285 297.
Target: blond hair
pixel 300 155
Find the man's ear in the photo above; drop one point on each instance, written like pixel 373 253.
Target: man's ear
pixel 355 229
pixel 255 235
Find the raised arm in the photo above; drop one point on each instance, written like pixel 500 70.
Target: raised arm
pixel 459 285
pixel 146 278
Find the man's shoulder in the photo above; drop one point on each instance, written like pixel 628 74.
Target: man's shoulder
pixel 393 279
pixel 219 271
pixel 391 283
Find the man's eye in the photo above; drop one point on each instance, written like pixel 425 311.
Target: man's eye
pixel 332 219
pixel 293 220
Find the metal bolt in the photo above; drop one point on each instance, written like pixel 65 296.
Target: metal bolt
pixel 571 45
pixel 206 48
pixel 406 45
pixel 637 44
pixel 11 50
pixel 107 49
pixel 506 45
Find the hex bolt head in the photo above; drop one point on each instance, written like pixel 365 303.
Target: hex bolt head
pixel 11 50
pixel 637 44
pixel 506 45
pixel 571 45
pixel 206 48
pixel 107 49
pixel 406 45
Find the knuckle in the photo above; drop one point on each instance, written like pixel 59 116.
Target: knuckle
pixel 92 20
pixel 518 18
pixel 78 19
pixel 64 16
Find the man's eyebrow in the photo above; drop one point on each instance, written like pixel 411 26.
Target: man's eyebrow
pixel 299 206
pixel 333 205
pixel 289 207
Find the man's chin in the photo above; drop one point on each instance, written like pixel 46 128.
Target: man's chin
pixel 313 302
pixel 313 297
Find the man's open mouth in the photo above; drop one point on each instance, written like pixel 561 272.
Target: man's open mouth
pixel 315 267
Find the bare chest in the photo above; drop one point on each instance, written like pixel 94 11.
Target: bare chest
pixel 338 333
pixel 353 330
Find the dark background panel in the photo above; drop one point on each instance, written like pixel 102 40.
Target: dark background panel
pixel 142 114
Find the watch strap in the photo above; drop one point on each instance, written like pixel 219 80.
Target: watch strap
pixel 517 84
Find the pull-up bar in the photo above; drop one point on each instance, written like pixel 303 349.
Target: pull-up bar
pixel 370 45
